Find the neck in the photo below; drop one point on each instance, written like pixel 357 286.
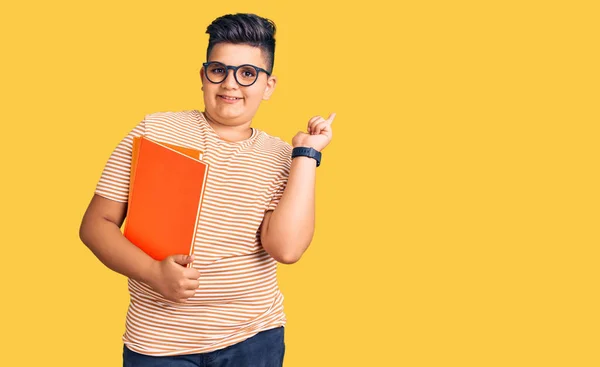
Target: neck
pixel 228 132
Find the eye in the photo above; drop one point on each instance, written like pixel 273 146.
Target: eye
pixel 247 72
pixel 217 69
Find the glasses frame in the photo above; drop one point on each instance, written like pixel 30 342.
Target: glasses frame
pixel 235 69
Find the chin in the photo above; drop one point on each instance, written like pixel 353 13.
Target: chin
pixel 230 115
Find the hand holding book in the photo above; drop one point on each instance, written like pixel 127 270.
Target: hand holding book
pixel 173 279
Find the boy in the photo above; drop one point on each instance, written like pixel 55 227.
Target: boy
pixel 258 209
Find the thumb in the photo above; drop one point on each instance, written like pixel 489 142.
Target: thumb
pixel 183 259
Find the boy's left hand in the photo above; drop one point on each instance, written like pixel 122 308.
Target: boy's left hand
pixel 319 133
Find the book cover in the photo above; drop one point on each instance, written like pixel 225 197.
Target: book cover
pixel 167 185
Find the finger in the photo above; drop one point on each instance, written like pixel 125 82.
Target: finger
pixel 188 293
pixel 318 119
pixel 315 123
pixel 191 285
pixel 183 297
pixel 312 121
pixel 191 273
pixel 331 117
pixel 317 128
pixel 322 127
pixel 182 259
pixel 325 125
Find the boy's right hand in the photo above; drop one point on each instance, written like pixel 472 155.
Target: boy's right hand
pixel 173 280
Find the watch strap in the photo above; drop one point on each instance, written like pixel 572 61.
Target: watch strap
pixel 307 152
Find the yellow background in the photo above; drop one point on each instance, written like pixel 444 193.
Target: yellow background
pixel 458 202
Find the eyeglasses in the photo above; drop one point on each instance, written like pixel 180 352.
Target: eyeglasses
pixel 245 75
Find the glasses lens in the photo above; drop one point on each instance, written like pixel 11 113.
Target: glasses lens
pixel 246 75
pixel 216 72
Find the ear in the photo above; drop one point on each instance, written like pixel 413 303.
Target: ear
pixel 202 77
pixel 270 88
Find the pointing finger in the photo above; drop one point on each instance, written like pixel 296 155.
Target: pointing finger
pixel 331 117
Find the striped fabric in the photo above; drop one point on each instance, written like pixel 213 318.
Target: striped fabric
pixel 238 294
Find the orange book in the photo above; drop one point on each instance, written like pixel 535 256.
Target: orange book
pixel 165 197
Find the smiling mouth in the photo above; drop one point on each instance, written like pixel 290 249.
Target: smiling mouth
pixel 230 98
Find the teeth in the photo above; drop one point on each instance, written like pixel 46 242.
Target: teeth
pixel 231 98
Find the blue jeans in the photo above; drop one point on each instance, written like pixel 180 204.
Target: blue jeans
pixel 265 349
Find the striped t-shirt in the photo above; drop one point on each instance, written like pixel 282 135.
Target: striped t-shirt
pixel 238 295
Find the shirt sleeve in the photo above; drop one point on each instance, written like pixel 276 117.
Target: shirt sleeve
pixel 281 179
pixel 114 181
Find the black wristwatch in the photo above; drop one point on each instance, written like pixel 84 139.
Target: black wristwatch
pixel 307 152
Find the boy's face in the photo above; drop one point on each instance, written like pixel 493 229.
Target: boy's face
pixel 242 110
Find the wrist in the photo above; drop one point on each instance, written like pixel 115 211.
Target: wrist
pixel 307 146
pixel 150 272
pixel 307 152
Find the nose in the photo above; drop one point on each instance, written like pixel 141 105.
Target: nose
pixel 229 81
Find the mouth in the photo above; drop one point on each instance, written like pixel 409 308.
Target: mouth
pixel 230 98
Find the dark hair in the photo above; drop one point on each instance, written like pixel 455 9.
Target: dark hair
pixel 249 29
